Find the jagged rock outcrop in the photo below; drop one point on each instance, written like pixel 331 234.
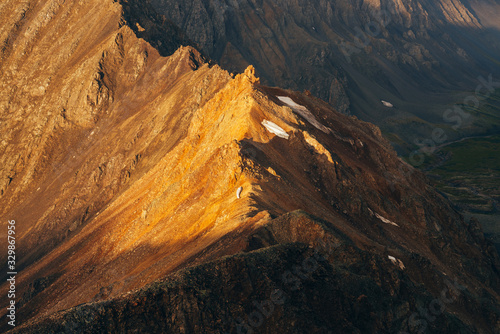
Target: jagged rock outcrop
pixel 122 167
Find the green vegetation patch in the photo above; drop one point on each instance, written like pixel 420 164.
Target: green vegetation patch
pixel 479 156
pixel 470 173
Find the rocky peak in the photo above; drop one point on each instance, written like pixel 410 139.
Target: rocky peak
pixel 250 73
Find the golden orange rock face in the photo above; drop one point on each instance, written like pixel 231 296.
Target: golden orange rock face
pixel 121 166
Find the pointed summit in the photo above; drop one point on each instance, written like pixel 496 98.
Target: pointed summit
pixel 250 74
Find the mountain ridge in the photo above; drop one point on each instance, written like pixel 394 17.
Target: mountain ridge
pixel 132 166
pixel 419 55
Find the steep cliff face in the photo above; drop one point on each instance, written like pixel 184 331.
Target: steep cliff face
pixel 354 53
pixel 123 165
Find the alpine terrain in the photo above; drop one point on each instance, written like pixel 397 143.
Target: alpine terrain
pixel 153 191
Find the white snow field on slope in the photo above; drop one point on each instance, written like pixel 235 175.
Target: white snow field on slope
pixel 385 220
pixel 274 128
pixel 302 111
pixel 387 104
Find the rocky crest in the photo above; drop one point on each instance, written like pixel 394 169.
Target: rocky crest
pixel 142 181
pixel 416 54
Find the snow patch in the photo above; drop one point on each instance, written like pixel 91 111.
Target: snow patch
pixel 302 111
pixel 274 128
pixel 385 220
pixel 387 104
